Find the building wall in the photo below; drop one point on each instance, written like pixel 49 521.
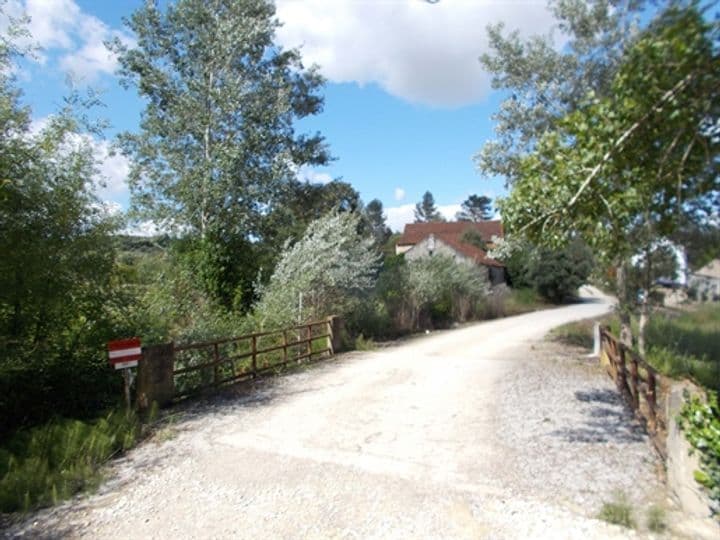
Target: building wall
pixel 423 249
pixel 706 288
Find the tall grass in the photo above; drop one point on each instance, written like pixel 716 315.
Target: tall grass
pixel 687 345
pixel 48 463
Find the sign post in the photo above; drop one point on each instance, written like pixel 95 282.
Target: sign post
pixel 124 354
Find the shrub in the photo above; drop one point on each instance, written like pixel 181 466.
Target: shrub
pixel 555 274
pixel 440 290
pixel 332 267
pixel 701 423
pixel 48 463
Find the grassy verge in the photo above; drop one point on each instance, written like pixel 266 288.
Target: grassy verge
pixel 687 345
pixel 523 301
pixel 578 333
pixel 680 345
pixel 48 463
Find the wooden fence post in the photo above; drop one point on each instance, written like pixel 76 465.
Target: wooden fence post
pixel 651 402
pixel 285 346
pixel 622 371
pixel 309 341
pixel 254 355
pixel 216 366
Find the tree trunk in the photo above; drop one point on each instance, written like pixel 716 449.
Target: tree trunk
pixel 645 305
pixel 623 307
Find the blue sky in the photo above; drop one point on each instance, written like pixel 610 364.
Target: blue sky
pixel 407 104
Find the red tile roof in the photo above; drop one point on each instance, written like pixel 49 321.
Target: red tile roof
pixel 451 234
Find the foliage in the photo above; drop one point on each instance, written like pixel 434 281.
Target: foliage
pixel 700 421
pixel 441 290
pixel 543 83
pixel 374 219
pixel 46 464
pixel 60 299
pixel 656 520
pixel 617 159
pixel 618 511
pixel 426 211
pixel 474 238
pixel 332 266
pixel 217 150
pixel 687 345
pixel 475 208
pixel 621 168
pixel 555 274
pixel 364 344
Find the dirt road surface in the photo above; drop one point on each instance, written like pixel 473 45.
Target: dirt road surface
pixel 478 432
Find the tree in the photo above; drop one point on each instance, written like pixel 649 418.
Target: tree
pixel 332 267
pixel 544 83
pixel 475 208
pixel 58 301
pixel 623 169
pixel 473 237
pixel 426 211
pixel 217 146
pixel 375 221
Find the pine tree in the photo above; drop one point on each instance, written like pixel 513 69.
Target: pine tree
pixel 426 211
pixel 475 208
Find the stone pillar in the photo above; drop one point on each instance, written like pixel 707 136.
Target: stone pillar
pixel 337 327
pixel 155 381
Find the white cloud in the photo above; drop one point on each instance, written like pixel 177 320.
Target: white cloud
pixel 399 216
pixel 60 25
pixel 399 194
pixel 144 228
pixel 113 169
pixel 305 173
pixel 420 52
pixel 110 183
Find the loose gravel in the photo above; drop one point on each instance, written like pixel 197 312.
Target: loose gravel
pixel 479 432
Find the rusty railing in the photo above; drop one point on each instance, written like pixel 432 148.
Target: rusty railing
pixel 639 383
pixel 197 366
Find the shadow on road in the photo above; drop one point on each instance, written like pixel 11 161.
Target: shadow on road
pixel 608 419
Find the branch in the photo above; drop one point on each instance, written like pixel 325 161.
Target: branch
pixel 667 96
pixel 621 140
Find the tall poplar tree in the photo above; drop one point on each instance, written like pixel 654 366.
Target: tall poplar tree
pixel 217 144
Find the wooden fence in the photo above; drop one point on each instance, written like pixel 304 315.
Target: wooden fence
pixel 640 384
pixel 170 371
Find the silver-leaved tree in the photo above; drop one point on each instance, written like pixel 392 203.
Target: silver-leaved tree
pixel 216 146
pixel 326 273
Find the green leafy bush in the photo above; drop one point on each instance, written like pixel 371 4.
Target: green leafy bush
pixel 701 423
pixel 555 274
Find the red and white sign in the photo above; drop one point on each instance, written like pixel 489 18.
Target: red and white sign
pixel 124 353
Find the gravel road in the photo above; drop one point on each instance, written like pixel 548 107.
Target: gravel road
pixel 478 432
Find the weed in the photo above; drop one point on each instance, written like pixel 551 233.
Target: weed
pixel 364 344
pixel 618 511
pixel 656 519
